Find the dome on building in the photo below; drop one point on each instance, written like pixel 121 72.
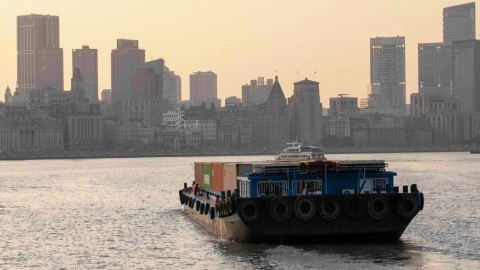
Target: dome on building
pixel 18 100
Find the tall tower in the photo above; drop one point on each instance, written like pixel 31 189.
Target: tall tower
pixel 8 95
pixel 387 70
pixel 306 110
pixel 124 60
pixel 39 56
pixel 86 60
pixel 459 22
pixel 203 85
pixel 77 85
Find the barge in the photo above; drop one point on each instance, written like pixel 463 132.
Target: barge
pixel 301 201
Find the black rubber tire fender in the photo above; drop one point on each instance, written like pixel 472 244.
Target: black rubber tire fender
pixel 421 201
pixel 407 206
pixel 182 198
pixel 378 207
pixel 207 209
pixel 304 207
pixel 354 206
pixel 202 208
pixel 280 209
pixel 218 208
pixel 233 202
pixel 212 212
pixel 328 209
pixel 249 210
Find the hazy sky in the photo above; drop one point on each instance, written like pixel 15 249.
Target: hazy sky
pixel 238 40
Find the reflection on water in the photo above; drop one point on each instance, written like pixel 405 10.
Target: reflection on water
pixel 125 213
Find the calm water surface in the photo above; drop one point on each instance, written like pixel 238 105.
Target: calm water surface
pixel 125 214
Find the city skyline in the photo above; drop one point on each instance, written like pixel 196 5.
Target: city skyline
pixel 239 41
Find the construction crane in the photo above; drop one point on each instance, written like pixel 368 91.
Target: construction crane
pixel 343 95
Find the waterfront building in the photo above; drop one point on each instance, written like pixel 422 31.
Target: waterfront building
pixel 81 120
pixel 418 131
pixel 203 85
pixel 145 84
pixel 234 127
pixel 466 74
pixel 39 56
pixel 459 22
pixel 387 71
pixel 306 112
pixel 23 129
pixel 359 131
pixel 149 110
pixel 344 106
pixel 86 60
pixel 270 120
pixel 233 100
pixel 386 130
pixel 257 92
pixel 124 60
pixel 133 134
pixel 336 126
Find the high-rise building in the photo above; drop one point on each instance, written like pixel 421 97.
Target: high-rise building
pixel 107 97
pixel 387 70
pixel 124 59
pixel 171 86
pixel 466 74
pixel 39 56
pixel 435 68
pixel 459 22
pixel 257 92
pixel 306 110
pixel 86 60
pixel 77 85
pixel 203 85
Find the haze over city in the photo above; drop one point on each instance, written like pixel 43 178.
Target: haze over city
pixel 239 40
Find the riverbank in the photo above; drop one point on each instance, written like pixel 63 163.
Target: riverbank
pixel 138 154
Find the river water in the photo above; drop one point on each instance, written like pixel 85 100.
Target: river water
pixel 125 214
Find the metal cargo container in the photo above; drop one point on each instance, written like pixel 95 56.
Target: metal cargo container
pixel 243 168
pixel 198 168
pixel 217 176
pixel 230 176
pixel 207 175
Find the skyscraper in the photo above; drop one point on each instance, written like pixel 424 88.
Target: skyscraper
pixel 203 85
pixel 171 86
pixel 257 92
pixel 39 56
pixel 466 74
pixel 459 22
pixel 387 70
pixel 124 61
pixel 86 60
pixel 435 68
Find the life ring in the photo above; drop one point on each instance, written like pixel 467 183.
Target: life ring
pixel 328 209
pixel 378 207
pixel 354 206
pixel 249 210
pixel 202 208
pixel 280 209
pixel 304 207
pixel 212 212
pixel 207 209
pixel 407 207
